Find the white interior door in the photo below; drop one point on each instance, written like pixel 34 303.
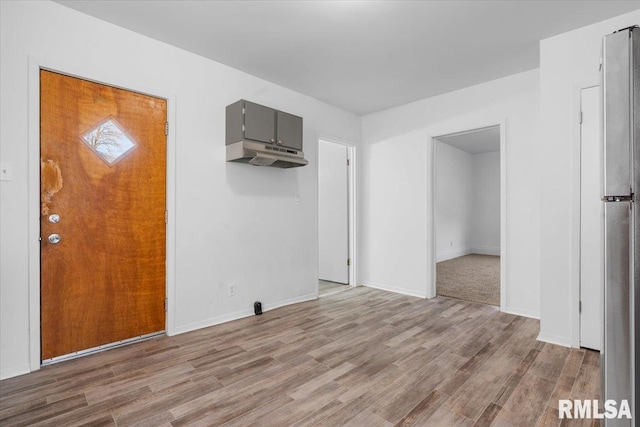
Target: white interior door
pixel 333 212
pixel 591 275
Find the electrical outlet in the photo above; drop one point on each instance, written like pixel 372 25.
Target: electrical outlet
pixel 5 172
pixel 451 243
pixel 231 289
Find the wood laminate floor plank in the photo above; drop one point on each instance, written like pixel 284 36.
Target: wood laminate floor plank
pixel 358 357
pixel 527 402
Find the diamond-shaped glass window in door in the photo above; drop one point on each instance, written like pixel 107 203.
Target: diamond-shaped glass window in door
pixel 109 140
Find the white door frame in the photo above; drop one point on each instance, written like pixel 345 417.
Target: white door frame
pixel 436 133
pixel 351 206
pixel 574 308
pixel 73 70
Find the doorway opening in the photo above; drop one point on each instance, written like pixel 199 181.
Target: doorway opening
pixel 336 206
pixel 467 212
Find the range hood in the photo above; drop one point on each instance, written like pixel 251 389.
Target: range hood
pixel 258 154
pixel 263 136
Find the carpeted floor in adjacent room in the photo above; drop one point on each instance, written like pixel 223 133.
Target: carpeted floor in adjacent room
pixel 471 278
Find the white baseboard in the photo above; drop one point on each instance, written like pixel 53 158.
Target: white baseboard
pixel 296 300
pixel 554 339
pixel 14 371
pixel 403 291
pixel 454 253
pixel 523 313
pixel 212 321
pixel 486 250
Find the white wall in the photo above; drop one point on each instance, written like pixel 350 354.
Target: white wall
pixel 396 244
pixel 467 211
pixel 454 201
pixel 393 239
pixel 222 208
pixel 568 62
pixel 485 213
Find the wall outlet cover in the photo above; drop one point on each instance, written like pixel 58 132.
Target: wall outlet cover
pixel 231 289
pixel 6 174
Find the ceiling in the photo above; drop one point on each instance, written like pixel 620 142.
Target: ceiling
pixel 476 141
pixel 361 56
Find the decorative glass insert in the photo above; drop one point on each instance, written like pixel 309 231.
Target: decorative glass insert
pixel 109 141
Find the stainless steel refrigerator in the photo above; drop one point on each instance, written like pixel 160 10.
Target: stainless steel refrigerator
pixel 620 74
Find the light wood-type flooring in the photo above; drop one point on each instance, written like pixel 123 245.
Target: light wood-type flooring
pixel 362 357
pixel 327 288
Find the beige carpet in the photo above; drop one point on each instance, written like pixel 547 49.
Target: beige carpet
pixel 471 278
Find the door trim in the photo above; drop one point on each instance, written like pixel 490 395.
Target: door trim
pixel 72 70
pixel 434 134
pixel 351 207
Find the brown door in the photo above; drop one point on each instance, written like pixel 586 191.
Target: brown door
pixel 103 182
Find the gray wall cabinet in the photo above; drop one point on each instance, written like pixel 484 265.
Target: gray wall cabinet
pixel 249 121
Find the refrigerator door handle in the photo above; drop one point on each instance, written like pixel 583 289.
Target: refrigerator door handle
pixel 614 199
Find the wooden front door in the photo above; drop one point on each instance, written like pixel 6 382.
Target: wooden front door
pixel 103 232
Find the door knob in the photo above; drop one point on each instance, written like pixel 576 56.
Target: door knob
pixel 54 239
pixel 54 218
